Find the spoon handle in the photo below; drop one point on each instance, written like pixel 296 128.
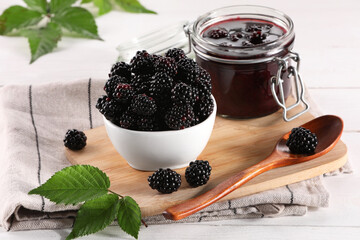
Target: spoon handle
pixel 192 206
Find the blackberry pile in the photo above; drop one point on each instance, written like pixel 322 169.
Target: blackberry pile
pixel 157 93
pixel 75 140
pixel 302 141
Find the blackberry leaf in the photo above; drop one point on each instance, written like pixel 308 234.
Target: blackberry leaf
pixel 78 20
pixel 129 216
pixel 75 184
pixel 95 215
pixel 43 40
pixel 37 5
pixel 104 6
pixel 133 6
pixel 57 5
pixel 17 17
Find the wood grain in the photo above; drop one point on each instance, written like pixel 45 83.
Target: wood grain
pixel 234 145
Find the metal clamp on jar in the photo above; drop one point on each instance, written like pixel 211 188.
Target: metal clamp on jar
pixel 255 78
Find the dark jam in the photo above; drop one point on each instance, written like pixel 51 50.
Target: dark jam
pixel 244 90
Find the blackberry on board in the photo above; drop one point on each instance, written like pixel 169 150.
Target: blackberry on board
pixel 180 117
pixel 176 54
pixel 74 139
pixel 198 173
pixel 142 63
pixel 302 141
pixel 120 69
pixel 165 180
pixel 142 104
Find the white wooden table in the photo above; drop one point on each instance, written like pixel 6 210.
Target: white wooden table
pixel 327 37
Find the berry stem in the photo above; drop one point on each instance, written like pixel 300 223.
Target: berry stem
pixel 143 222
pixel 116 193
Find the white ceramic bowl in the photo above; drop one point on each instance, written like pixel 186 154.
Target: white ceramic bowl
pixel 149 151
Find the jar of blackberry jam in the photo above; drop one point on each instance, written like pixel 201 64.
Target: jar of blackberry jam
pixel 247 51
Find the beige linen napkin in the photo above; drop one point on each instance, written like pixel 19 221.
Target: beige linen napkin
pixel 33 121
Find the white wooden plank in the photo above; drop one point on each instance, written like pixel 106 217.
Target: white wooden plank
pixel 208 232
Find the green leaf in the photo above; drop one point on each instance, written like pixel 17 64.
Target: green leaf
pixel 74 184
pixel 103 5
pixel 129 216
pixel 95 215
pixel 78 20
pixel 86 1
pixel 42 40
pixel 37 5
pixel 133 6
pixel 17 17
pixel 57 5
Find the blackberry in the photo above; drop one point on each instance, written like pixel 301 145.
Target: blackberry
pixel 166 65
pixel 217 33
pixel 109 108
pixel 175 53
pixel 143 105
pixel 203 89
pixel 198 173
pixel 112 83
pixel 145 123
pixel 203 75
pixel 128 120
pixel 180 117
pixel 235 36
pixel 204 108
pixel 257 38
pixel 141 83
pixel 302 141
pixel 160 88
pixel 123 93
pixel 187 71
pixel 142 63
pixel 75 140
pixel 183 94
pixel 120 69
pixel 165 180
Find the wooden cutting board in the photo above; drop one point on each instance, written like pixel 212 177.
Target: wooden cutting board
pixel 234 145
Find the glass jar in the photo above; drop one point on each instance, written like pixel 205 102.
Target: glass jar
pixel 249 81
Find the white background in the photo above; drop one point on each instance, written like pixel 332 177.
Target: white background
pixel 327 38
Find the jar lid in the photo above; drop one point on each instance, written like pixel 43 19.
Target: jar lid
pixel 243 54
pixel 157 41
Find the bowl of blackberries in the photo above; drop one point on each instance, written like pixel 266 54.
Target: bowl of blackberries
pixel 158 110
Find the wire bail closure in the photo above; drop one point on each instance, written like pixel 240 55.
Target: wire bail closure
pixel 299 85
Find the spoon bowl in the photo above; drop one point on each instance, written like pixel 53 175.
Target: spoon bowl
pixel 328 130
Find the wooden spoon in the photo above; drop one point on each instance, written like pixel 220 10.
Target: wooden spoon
pixel 328 130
